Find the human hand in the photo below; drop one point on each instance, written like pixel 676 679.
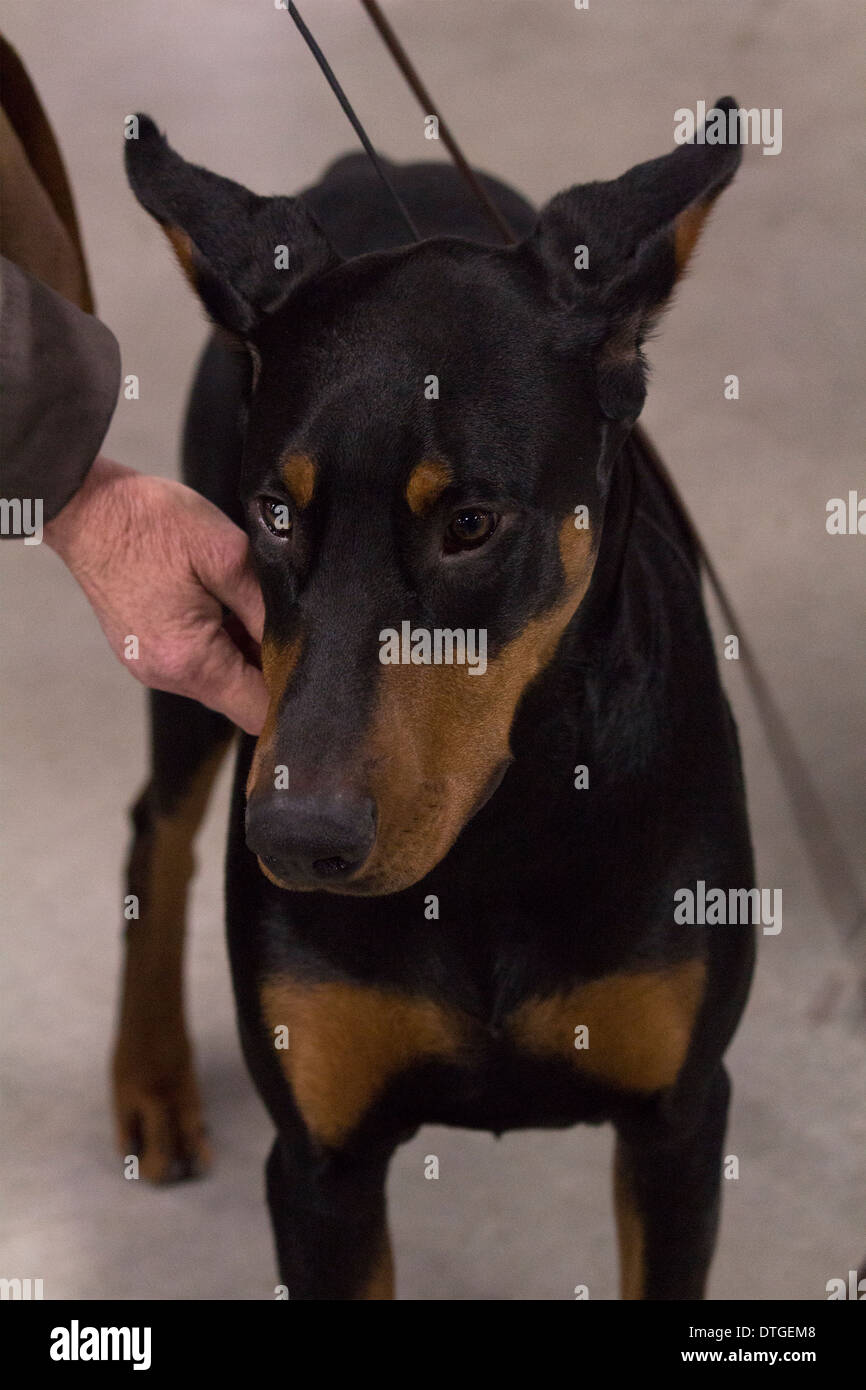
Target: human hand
pixel 156 561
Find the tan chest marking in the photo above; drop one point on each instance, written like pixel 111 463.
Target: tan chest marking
pixel 346 1042
pixel 639 1025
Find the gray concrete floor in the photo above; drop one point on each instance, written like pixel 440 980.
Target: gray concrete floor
pixel 545 96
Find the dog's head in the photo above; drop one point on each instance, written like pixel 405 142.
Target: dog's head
pixel 429 442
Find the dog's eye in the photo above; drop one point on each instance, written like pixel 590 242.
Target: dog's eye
pixel 276 515
pixel 467 530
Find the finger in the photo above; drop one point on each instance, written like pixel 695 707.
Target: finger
pixel 231 685
pixel 245 600
pixel 226 571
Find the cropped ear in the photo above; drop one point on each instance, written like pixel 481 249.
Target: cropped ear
pixel 242 254
pixel 638 232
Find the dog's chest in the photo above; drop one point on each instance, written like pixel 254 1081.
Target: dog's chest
pixel 350 1051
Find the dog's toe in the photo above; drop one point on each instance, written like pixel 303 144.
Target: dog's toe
pixel 161 1123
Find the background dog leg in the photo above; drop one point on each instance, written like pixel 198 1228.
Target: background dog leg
pixel 157 1107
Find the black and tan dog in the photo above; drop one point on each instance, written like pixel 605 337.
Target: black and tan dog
pixel 438 919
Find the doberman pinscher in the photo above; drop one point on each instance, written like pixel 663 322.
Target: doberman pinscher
pixel 450 888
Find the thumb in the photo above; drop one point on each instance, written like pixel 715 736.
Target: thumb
pixel 227 573
pixel 244 597
pixel 232 686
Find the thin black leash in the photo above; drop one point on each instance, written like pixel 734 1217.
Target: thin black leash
pixel 833 870
pixel 356 124
pixel 401 58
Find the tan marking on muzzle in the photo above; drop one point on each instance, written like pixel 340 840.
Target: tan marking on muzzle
pixel 278 664
pixel 427 481
pixel 347 1042
pixel 640 1025
pixel 439 734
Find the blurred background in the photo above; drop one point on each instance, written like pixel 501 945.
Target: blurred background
pixel 544 96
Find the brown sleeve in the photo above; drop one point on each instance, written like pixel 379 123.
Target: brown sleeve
pixel 39 227
pixel 59 378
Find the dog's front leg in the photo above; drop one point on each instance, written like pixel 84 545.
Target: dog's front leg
pixel 666 1189
pixel 157 1108
pixel 329 1222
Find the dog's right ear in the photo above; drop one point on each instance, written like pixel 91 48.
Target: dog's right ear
pixel 243 254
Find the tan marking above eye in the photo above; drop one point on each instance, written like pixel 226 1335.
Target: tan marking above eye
pixel 298 472
pixel 427 481
pixel 640 1025
pixel 346 1042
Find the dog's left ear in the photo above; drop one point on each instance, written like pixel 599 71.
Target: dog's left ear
pixel 638 232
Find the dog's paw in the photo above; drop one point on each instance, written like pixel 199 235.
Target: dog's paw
pixel 158 1116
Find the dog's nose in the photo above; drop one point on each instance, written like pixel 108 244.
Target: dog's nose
pixel 310 839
